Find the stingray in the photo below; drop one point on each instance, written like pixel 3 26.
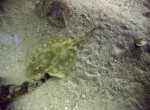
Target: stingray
pixel 55 56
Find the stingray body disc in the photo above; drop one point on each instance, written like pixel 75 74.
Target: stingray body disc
pixel 55 56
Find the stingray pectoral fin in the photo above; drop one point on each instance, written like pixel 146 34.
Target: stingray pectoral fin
pixel 58 74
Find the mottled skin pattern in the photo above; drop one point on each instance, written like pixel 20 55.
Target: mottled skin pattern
pixel 55 56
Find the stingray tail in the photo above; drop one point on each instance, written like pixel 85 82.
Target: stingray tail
pixel 79 39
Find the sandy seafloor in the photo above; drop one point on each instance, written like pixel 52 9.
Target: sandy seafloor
pixel 110 74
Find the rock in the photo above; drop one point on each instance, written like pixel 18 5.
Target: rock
pixel 57 11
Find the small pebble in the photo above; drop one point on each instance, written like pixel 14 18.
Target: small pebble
pixel 65 108
pixel 83 96
pixel 140 41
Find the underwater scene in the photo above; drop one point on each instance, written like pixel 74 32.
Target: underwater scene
pixel 74 54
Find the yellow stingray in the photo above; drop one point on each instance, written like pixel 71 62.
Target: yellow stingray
pixel 55 56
